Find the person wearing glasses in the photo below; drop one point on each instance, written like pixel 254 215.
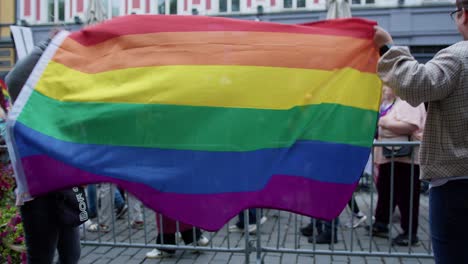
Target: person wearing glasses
pixel 443 82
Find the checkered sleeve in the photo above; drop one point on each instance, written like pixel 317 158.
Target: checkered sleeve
pixel 417 83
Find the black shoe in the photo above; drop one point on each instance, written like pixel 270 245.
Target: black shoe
pixel 307 230
pixel 324 238
pixel 403 240
pixel 378 230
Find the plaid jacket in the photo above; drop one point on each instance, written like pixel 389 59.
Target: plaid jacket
pixel 443 82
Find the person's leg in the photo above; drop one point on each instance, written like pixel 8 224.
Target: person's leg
pixel 352 204
pixel 122 193
pixel 328 226
pixel 118 199
pixel 252 216
pixel 357 217
pixel 448 218
pixel 40 228
pixel 136 215
pixel 105 208
pixel 166 239
pixel 329 234
pixel 191 235
pixel 91 192
pixel 68 247
pixel 308 230
pixel 382 210
pixel 240 221
pixel 403 195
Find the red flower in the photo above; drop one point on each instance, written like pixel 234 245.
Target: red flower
pixel 15 219
pixel 19 240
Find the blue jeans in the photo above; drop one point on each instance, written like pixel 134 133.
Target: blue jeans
pixel 448 218
pixel 91 191
pixel 44 234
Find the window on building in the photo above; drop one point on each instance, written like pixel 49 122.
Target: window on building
pixel 55 10
pixel 370 1
pixel 173 7
pixel 50 9
pixel 108 7
pixel 115 8
pixel 235 5
pixel 301 3
pixel 223 6
pixel 288 3
pixel 61 10
pixel 161 6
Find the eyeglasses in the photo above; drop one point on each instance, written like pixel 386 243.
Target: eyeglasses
pixel 452 14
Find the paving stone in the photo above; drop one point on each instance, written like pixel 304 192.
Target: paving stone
pixel 102 249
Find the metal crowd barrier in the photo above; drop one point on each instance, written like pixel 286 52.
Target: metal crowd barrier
pixel 281 232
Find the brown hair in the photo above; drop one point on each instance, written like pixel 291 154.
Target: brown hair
pixel 462 4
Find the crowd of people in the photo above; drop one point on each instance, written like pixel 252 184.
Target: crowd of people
pixel 441 83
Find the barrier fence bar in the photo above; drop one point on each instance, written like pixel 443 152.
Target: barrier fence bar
pixel 281 233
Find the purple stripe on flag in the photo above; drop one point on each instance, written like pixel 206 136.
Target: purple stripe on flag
pixel 297 194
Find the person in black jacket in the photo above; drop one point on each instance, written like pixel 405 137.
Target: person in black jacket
pixel 43 232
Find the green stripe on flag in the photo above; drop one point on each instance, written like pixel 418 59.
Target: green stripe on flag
pixel 195 127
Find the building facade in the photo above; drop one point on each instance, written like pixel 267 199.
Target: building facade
pixel 424 25
pixel 33 12
pixel 7 18
pixel 39 12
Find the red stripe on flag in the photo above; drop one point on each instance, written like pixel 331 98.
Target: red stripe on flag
pixel 143 24
pixel 136 4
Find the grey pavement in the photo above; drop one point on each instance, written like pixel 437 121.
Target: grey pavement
pixel 281 231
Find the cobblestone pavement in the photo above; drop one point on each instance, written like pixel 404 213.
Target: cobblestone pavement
pixel 280 231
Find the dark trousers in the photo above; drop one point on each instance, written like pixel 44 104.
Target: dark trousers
pixel 252 218
pixel 448 218
pixel 352 204
pixel 189 236
pixel 323 226
pixel 43 234
pixel 401 194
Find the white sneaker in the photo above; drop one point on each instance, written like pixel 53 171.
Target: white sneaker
pixel 157 254
pixel 252 228
pixel 235 229
pixel 178 237
pixel 356 221
pixel 203 241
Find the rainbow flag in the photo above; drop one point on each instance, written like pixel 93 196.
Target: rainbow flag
pixel 201 117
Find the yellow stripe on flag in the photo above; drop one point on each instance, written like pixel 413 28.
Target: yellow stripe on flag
pixel 216 86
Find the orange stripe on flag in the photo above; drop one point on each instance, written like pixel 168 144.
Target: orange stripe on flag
pixel 220 48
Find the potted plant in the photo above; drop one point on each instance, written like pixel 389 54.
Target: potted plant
pixel 12 249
